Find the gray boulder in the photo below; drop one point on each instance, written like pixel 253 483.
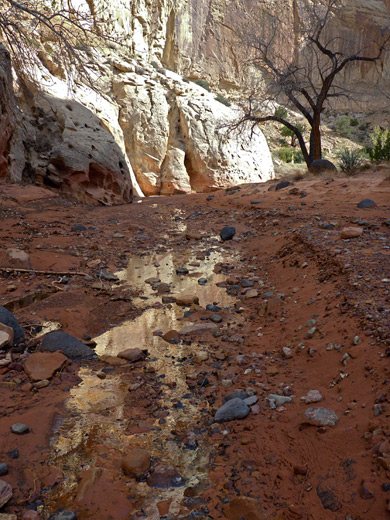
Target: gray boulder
pixel 72 347
pixel 232 410
pixel 322 165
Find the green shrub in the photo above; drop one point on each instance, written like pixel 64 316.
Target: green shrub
pixel 286 132
pixel 353 121
pixel 298 157
pixel 285 154
pixel 380 150
pixel 154 64
pixel 223 100
pixel 350 160
pixel 204 84
pixel 343 126
pixel 281 112
pixel 363 127
pixel 186 80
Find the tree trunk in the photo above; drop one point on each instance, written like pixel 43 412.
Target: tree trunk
pixel 315 139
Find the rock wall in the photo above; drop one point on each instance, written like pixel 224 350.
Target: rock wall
pixel 7 109
pixel 200 38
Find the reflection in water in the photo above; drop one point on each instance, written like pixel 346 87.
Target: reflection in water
pixel 95 408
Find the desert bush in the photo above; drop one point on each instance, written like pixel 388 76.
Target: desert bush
pixel 223 100
pixel 350 160
pixel 289 155
pixel 353 121
pixel 204 84
pixel 281 112
pixel 286 132
pixel 343 126
pixel 380 150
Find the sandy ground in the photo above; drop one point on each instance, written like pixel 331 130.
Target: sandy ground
pixel 270 465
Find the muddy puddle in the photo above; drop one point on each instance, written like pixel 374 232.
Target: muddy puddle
pixel 96 427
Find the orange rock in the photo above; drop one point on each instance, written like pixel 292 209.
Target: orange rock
pixel 243 507
pixel 136 463
pixel 43 365
pixel 132 354
pixel 351 232
pixel 187 299
pixel 163 507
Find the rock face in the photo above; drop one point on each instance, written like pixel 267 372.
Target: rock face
pixel 7 109
pixel 177 140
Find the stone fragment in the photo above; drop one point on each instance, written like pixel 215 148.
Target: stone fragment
pixel 251 400
pixel 132 354
pixel 63 514
pixel 136 463
pixel 186 300
pixel 366 203
pixel 240 394
pixel 241 508
pixel 272 371
pixel 232 410
pixel 282 184
pixel 313 396
pixel 279 400
pixel 3 469
pixel 287 352
pixel 321 417
pixel 5 492
pixel 215 318
pixel 200 356
pixel 20 428
pixel 5 339
pixel 42 384
pixel 365 492
pixel 351 232
pixel 9 331
pixel 31 515
pixel 165 476
pixel 15 258
pixel 182 270
pixel 78 227
pixel 112 360
pixel 72 347
pixel 198 328
pixel 252 293
pixel 172 336
pixel 105 275
pixel 7 318
pixel 43 365
pixel 227 233
pixel 193 235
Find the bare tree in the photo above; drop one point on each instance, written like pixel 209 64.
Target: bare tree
pixel 306 77
pixel 70 35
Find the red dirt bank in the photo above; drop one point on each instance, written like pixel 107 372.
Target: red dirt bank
pixel 271 465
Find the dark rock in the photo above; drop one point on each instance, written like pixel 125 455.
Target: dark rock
pixel 3 469
pixel 63 514
pixel 105 275
pixel 203 381
pixel 232 410
pixel 78 227
pixel 7 318
pixel 246 283
pixel 386 486
pixel 282 184
pixel 227 233
pixel 213 308
pixel 165 476
pixel 182 270
pixel 72 347
pixel 202 281
pixel 322 165
pixel 365 492
pixel 241 394
pixel 366 203
pixel 215 318
pixel 20 428
pixel 13 454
